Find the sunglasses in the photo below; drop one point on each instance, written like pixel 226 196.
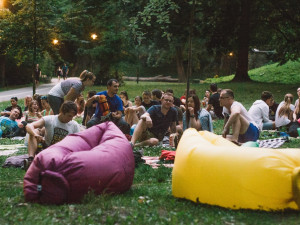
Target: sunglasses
pixel 44 97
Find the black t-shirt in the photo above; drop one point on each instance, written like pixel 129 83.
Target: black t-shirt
pixel 177 102
pixel 152 102
pixel 37 73
pixel 215 102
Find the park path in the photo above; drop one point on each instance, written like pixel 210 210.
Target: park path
pixel 23 92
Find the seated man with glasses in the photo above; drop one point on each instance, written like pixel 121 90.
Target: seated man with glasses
pixel 259 111
pixel 236 117
pixel 154 124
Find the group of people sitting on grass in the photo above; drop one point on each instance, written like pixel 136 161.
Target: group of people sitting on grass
pixel 153 115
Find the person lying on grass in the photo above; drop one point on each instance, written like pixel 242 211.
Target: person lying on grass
pixel 154 124
pixel 51 129
pixel 14 104
pixel 9 126
pixel 236 117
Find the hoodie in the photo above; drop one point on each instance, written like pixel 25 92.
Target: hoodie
pixel 259 111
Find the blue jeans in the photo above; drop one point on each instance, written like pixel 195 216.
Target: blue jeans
pixel 120 123
pixel 55 103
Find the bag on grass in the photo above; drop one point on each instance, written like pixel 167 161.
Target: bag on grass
pixel 293 129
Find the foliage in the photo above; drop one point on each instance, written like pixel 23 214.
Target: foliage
pixel 28 27
pixel 273 73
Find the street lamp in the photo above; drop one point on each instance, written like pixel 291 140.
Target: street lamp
pixel 55 41
pixel 94 36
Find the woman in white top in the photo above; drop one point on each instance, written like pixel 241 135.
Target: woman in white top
pixel 69 90
pixel 296 115
pixel 284 112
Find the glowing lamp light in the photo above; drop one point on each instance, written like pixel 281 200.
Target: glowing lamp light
pixel 230 53
pixel 55 41
pixel 94 36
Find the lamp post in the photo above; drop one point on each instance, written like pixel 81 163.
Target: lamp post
pixel 55 41
pixel 94 38
pixel 34 47
pixel 230 54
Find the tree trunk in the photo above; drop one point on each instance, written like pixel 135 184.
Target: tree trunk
pixel 2 72
pixel 179 64
pixel 243 43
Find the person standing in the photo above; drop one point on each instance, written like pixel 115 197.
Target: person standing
pixel 65 71
pixel 37 74
pixel 69 90
pixel 59 73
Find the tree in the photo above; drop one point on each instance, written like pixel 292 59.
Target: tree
pixel 29 28
pixel 240 25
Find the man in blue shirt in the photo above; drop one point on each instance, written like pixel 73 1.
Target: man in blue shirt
pixel 115 107
pixel 154 124
pixel 8 125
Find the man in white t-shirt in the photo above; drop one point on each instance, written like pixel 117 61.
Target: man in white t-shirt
pixel 259 111
pixel 236 116
pixel 54 127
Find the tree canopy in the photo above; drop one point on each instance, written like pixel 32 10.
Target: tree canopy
pixel 148 33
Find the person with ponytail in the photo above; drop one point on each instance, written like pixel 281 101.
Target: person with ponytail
pixel 69 90
pixel 296 114
pixel 284 112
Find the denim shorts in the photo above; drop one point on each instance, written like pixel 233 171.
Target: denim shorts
pixel 252 134
pixel 268 126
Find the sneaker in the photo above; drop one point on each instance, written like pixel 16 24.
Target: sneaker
pixel 131 144
pixel 27 163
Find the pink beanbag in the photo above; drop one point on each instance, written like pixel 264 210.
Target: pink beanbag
pixel 98 159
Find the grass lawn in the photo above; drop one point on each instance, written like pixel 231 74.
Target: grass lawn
pixel 158 206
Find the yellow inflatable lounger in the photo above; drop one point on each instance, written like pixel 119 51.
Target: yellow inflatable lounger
pixel 211 170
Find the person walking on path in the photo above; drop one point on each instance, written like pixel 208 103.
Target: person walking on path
pixel 37 74
pixel 69 90
pixel 59 73
pixel 65 71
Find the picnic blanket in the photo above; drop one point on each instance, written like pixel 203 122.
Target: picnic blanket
pixel 272 143
pixel 166 159
pixel 154 162
pixel 10 149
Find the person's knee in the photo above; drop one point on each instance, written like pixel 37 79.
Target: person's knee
pixel 89 124
pixel 153 141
